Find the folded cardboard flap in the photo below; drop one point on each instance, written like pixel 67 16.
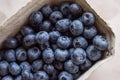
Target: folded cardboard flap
pixel 11 26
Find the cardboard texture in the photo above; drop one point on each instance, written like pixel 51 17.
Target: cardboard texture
pixel 12 25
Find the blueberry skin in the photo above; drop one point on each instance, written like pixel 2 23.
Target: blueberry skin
pixel 36 18
pixel 42 37
pixel 46 10
pixel 64 42
pixel 44 46
pixel 54 75
pixel 21 54
pixel 93 54
pixel 86 65
pixel 55 16
pixel 8 77
pixel 71 50
pixel 54 35
pixel 65 76
pixel 100 42
pixel 25 66
pixel 27 75
pixel 41 75
pixel 54 46
pixel 29 40
pixel 19 38
pixel 14 68
pixel 37 65
pixel 46 25
pixel 4 68
pixel 90 32
pixel 25 30
pixel 70 67
pixel 49 69
pixel 10 55
pixel 65 8
pixel 76 27
pixel 58 65
pixel 33 53
pixel 76 75
pixel 88 18
pixel 61 55
pixel 10 43
pixel 79 56
pixel 48 55
pixel 63 25
pixel 18 77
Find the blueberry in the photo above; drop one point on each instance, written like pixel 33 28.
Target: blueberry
pixel 14 68
pixel 65 8
pixel 58 65
pixel 86 65
pixel 65 76
pixel 100 42
pixel 46 10
pixel 25 66
pixel 63 25
pixel 76 75
pixel 80 42
pixel 79 56
pixel 61 55
pixel 36 18
pixel 27 75
pixel 44 46
pixel 55 16
pixel 4 68
pixel 92 53
pixel 49 69
pixel 37 65
pixel 88 18
pixel 10 43
pixel 90 32
pixel 8 77
pixel 70 67
pixel 21 54
pixel 54 75
pixel 76 27
pixel 33 53
pixel 48 55
pixel 46 25
pixel 29 40
pixel 54 46
pixel 42 37
pixel 10 55
pixel 41 75
pixel 54 35
pixel 19 38
pixel 64 42
pixel 71 50
pixel 75 9
pixel 18 77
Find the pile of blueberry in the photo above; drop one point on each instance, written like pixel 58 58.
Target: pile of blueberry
pixel 58 43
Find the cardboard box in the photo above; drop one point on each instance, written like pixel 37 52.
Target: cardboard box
pixel 12 25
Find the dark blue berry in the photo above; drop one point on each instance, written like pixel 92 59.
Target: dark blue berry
pixel 76 75
pixel 54 46
pixel 4 68
pixel 49 69
pixel 71 50
pixel 25 66
pixel 92 53
pixel 63 42
pixel 10 55
pixel 58 65
pixel 10 43
pixel 37 65
pixel 46 10
pixel 18 77
pixel 19 38
pixel 44 46
pixel 65 76
pixel 8 77
pixel 70 67
pixel 41 75
pixel 46 25
pixel 63 25
pixel 36 18
pixel 88 18
pixel 27 75
pixel 61 55
pixel 80 42
pixel 14 68
pixel 79 56
pixel 76 27
pixel 21 54
pixel 42 37
pixel 33 53
pixel 48 55
pixel 100 42
pixel 90 32
pixel 55 16
pixel 54 75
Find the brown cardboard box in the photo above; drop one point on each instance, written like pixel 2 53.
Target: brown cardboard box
pixel 13 24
